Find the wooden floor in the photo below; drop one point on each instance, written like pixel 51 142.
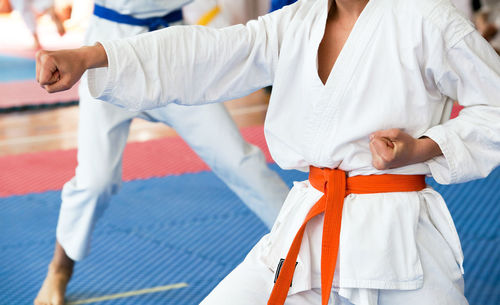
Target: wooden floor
pixel 43 130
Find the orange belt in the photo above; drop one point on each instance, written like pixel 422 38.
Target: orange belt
pixel 336 186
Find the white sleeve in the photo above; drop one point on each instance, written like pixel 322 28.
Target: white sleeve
pixel 471 142
pixel 189 64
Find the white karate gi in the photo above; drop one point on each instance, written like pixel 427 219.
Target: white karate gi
pixel 28 9
pixel 403 63
pixel 103 130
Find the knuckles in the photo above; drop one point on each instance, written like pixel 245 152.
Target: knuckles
pixel 44 58
pixel 383 157
pixel 41 56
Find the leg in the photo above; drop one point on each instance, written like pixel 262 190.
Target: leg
pixel 58 276
pixel 251 283
pixel 443 281
pixel 57 21
pixel 47 7
pixel 103 130
pixel 214 136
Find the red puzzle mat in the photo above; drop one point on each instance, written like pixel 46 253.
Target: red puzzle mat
pixel 39 172
pixel 28 93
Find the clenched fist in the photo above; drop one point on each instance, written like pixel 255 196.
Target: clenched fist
pixel 393 148
pixel 60 70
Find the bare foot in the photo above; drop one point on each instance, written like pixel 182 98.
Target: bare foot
pixel 54 287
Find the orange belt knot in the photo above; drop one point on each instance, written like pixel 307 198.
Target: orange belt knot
pixel 335 185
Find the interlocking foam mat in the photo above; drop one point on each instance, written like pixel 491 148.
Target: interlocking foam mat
pixel 45 171
pixel 191 230
pixel 176 229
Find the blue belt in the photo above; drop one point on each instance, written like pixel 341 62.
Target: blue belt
pixel 153 23
pixel 277 4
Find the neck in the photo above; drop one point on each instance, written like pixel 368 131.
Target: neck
pixel 348 8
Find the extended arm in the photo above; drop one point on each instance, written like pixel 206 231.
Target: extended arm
pixel 188 65
pixel 181 64
pixel 60 70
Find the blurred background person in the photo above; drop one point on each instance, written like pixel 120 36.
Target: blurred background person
pixel 488 22
pixel 277 4
pixel 103 131
pixel 5 7
pixel 220 13
pixel 30 10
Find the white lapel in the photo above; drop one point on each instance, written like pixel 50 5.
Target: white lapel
pixel 327 108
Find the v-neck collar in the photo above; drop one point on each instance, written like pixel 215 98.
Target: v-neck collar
pixel 330 99
pixel 355 42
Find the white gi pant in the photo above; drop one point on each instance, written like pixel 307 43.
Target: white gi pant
pixel 103 130
pixel 252 281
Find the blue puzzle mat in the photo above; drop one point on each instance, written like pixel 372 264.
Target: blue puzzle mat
pixel 191 230
pixel 16 69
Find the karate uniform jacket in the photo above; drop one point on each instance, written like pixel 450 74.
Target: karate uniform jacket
pixel 401 67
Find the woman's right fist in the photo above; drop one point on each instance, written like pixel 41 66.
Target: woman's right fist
pixel 60 70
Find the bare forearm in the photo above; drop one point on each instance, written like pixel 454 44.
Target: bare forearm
pixel 425 149
pixel 95 56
